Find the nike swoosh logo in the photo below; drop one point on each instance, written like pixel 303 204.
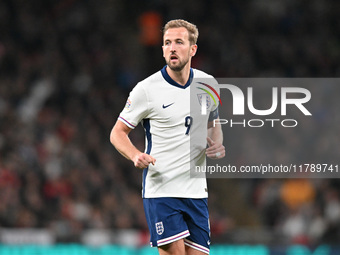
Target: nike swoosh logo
pixel 166 106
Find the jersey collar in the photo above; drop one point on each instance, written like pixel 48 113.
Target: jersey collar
pixel 167 77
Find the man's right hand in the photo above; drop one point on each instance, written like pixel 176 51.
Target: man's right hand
pixel 142 160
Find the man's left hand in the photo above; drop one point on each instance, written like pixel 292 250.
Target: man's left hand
pixel 215 150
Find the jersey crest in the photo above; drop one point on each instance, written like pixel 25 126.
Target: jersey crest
pixel 208 101
pixel 159 228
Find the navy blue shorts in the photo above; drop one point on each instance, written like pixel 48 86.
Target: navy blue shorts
pixel 172 219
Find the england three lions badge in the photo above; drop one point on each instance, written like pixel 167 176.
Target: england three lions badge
pixel 159 228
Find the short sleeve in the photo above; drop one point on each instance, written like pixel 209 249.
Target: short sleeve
pixel 213 115
pixel 136 107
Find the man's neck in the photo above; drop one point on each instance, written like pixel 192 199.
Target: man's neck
pixel 181 77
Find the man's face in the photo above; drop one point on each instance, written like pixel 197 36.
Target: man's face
pixel 177 50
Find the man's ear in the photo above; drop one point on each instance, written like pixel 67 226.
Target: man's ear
pixel 193 50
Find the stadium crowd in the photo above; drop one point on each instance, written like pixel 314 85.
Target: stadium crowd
pixel 66 68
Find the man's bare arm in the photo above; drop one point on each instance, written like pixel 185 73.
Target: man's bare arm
pixel 215 142
pixel 119 137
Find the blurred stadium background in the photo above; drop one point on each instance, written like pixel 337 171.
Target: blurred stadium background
pixel 66 68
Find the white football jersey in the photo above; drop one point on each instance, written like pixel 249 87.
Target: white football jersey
pixel 175 131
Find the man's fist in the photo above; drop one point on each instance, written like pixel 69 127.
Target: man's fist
pixel 143 160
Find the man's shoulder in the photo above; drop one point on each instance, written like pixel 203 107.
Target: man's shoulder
pixel 148 83
pixel 152 79
pixel 201 74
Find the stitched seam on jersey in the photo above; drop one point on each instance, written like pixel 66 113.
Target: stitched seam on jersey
pixel 146 126
pixel 149 139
